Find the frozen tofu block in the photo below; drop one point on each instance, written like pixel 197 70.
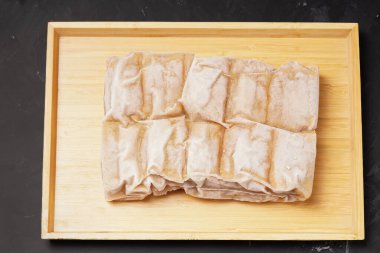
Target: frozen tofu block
pixel 203 149
pixel 286 98
pixel 293 98
pixel 269 160
pixel 205 92
pixel 123 95
pixel 248 92
pixel 247 153
pixel 145 86
pixel 166 147
pixel 143 158
pixel 216 127
pixel 123 161
pixel 293 163
pixel 163 80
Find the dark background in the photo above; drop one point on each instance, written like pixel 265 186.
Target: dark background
pixel 23 26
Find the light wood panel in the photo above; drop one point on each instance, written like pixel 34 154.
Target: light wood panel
pixel 73 200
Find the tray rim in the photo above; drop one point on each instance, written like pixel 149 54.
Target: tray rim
pixel 57 29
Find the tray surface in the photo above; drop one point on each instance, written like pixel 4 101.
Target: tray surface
pixel 73 201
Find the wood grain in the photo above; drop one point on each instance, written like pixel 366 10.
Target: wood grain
pixel 73 202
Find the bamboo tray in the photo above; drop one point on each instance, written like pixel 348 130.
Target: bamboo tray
pixel 73 202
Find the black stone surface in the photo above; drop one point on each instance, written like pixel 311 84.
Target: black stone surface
pixel 22 79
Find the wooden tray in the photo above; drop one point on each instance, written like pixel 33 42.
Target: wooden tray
pixel 73 202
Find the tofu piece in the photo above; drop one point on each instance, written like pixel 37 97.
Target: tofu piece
pixel 123 161
pixel 163 80
pixel 203 149
pixel 123 95
pixel 205 92
pixel 293 162
pixel 166 147
pixel 293 98
pixel 248 91
pixel 247 153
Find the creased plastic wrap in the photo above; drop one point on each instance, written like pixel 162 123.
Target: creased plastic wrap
pixel 218 128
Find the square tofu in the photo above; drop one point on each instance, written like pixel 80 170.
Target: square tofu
pixel 166 147
pixel 246 152
pixel 163 80
pixel 205 92
pixel 123 95
pixel 248 90
pixel 293 98
pixel 293 162
pixel 123 160
pixel 204 149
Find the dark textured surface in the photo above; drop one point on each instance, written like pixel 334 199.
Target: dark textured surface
pixel 22 74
